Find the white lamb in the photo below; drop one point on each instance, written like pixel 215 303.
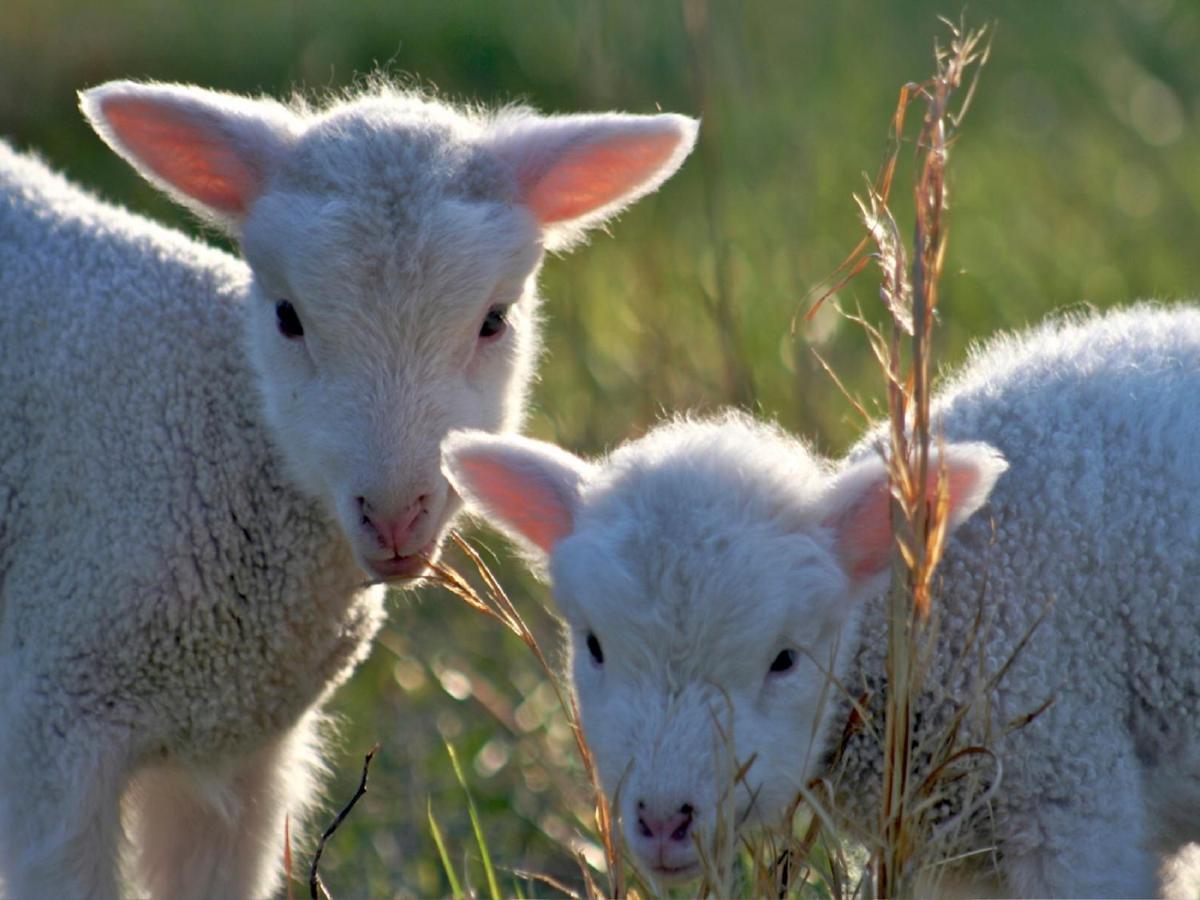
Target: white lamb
pixel 710 570
pixel 208 469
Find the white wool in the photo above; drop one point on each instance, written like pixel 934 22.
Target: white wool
pixel 694 556
pixel 191 501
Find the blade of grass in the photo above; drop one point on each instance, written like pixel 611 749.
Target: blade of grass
pixel 287 854
pixel 456 890
pixel 484 854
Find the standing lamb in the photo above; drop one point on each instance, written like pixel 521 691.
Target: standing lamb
pixel 714 571
pixel 209 469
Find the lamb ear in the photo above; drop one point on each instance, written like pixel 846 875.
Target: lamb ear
pixel 528 489
pixel 573 172
pixel 857 506
pixel 210 151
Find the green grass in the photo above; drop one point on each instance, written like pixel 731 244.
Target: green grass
pixel 1077 180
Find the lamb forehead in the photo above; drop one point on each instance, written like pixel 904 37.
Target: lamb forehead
pixel 394 197
pixel 675 616
pixel 689 526
pixel 394 148
pixel 450 256
pixel 705 482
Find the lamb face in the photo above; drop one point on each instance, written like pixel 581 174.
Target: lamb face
pixel 691 660
pixel 394 244
pixel 710 575
pixel 438 331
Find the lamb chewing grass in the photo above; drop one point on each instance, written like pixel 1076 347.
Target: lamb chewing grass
pixel 210 468
pixel 713 573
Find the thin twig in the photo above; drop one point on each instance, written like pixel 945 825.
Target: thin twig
pixel 315 886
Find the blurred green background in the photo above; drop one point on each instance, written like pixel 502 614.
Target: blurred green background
pixel 1076 180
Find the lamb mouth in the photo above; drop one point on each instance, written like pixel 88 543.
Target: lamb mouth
pixel 402 568
pixel 676 873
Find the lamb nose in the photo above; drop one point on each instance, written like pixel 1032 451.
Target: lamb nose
pixel 676 827
pixel 392 533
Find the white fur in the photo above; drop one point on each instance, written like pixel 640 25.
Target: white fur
pixel 698 553
pixel 185 557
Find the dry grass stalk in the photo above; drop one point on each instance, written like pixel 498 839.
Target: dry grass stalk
pixel 909 292
pixel 495 603
pixel 920 525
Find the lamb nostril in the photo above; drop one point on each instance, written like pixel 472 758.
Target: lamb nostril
pixel 681 832
pixel 644 829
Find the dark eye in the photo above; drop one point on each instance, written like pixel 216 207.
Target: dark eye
pixel 594 648
pixel 784 661
pixel 289 321
pixel 494 322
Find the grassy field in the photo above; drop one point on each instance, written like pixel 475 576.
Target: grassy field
pixel 1076 181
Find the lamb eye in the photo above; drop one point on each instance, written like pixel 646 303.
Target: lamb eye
pixel 288 320
pixel 494 322
pixel 784 661
pixel 593 645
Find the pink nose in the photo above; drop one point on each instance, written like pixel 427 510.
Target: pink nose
pixel 393 533
pixel 667 828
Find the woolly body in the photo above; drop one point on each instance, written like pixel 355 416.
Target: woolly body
pixel 700 555
pixel 199 503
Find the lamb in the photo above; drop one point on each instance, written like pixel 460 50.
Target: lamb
pixel 715 571
pixel 210 469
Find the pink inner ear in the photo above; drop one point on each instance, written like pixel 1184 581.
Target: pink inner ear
pixel 590 177
pixel 864 533
pixel 522 499
pixel 183 152
pixel 961 480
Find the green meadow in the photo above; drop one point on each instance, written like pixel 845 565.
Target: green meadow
pixel 1075 182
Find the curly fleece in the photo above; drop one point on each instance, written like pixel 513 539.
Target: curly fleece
pixel 166 594
pixel 1096 525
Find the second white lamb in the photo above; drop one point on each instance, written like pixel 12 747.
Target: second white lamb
pixel 712 572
